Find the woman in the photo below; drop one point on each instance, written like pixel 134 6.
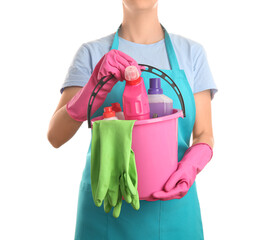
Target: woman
pixel 176 213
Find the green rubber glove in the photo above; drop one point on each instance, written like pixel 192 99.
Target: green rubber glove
pixel 113 168
pixel 127 189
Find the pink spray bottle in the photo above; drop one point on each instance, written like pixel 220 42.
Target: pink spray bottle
pixel 135 97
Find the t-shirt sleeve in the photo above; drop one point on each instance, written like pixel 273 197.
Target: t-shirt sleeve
pixel 203 78
pixel 80 69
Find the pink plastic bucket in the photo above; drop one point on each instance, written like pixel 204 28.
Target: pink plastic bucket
pixel 155 145
pixel 154 141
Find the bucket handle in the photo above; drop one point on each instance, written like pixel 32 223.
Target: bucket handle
pixel 170 81
pixel 149 69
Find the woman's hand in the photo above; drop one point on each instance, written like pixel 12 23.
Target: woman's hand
pixel 194 160
pixel 113 64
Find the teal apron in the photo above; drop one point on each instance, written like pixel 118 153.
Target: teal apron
pixel 156 220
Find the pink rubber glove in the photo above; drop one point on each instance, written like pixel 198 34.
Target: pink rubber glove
pixel 194 160
pixel 112 63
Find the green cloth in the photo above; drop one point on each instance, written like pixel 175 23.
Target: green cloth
pixel 113 167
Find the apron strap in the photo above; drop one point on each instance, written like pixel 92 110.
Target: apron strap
pixel 170 51
pixel 169 48
pixel 115 44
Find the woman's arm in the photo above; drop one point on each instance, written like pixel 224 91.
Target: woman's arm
pixel 202 130
pixel 62 127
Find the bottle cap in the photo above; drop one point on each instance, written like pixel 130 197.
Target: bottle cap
pixel 155 86
pixel 131 73
pixel 132 76
pixel 108 112
pixel 116 107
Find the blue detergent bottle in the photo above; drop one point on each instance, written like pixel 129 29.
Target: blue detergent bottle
pixel 160 104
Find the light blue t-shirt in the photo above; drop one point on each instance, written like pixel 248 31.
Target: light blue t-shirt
pixel 190 54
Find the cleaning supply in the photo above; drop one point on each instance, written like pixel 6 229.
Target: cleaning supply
pixel 109 114
pixel 113 167
pixel 194 160
pixel 135 98
pixel 160 104
pixel 118 110
pixel 112 64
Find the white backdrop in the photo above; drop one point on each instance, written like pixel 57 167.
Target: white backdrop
pixel 39 184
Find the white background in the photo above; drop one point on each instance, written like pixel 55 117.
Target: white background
pixel 39 184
